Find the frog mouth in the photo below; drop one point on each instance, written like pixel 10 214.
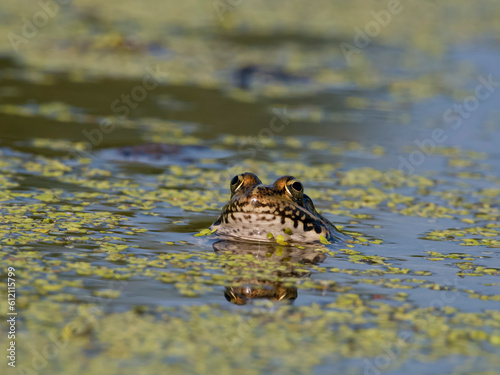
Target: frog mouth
pixel 266 217
pixel 292 213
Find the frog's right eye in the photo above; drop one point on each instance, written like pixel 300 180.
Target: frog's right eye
pixel 294 188
pixel 236 183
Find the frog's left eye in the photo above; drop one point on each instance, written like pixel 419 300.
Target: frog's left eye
pixel 295 188
pixel 236 183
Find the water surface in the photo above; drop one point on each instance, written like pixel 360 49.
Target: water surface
pixel 106 180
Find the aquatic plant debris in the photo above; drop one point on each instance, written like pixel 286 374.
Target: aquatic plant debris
pixel 108 245
pixel 105 204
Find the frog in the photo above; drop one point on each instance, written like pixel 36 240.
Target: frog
pixel 278 212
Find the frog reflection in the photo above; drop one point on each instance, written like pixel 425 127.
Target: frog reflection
pixel 271 291
pixel 287 262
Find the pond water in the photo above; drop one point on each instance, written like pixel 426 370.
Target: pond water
pixel 121 129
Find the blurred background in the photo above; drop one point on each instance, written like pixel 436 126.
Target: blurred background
pixel 348 72
pixel 122 123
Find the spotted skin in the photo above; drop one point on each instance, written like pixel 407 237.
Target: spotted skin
pixel 254 210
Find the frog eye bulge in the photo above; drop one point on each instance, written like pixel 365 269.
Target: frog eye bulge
pixel 236 183
pixel 294 188
pixel 297 186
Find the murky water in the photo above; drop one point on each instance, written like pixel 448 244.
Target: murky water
pixel 117 149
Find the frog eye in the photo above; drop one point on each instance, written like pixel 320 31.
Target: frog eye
pixel 297 186
pixel 236 183
pixel 294 188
